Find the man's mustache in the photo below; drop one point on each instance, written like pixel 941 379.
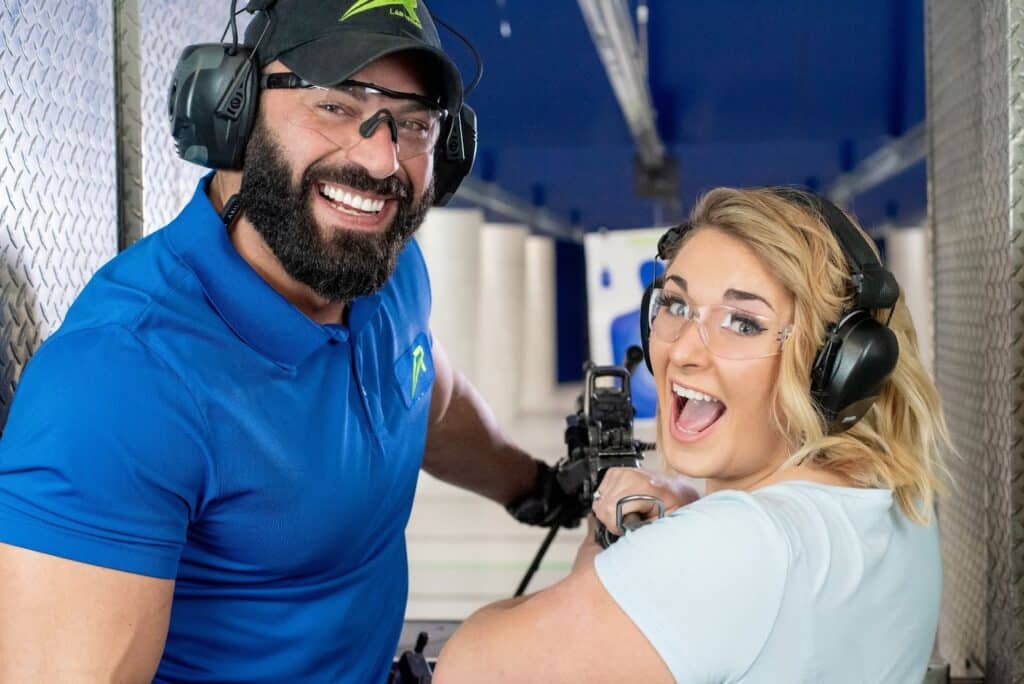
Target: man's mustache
pixel 357 179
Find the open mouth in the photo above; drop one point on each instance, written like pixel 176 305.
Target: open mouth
pixel 694 412
pixel 349 202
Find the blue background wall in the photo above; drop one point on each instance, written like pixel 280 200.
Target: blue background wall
pixel 747 92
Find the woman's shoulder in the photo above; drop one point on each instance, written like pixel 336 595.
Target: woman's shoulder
pixel 799 501
pixel 712 572
pixel 742 512
pixel 728 527
pixel 814 522
pixel 782 517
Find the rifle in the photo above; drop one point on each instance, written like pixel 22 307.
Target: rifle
pixel 599 436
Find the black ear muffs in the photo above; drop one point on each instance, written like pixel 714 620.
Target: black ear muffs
pixel 646 303
pixel 859 353
pixel 672 236
pixel 212 104
pixel 858 356
pixel 454 154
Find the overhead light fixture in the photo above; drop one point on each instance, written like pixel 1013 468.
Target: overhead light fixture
pixel 624 57
pixel 612 31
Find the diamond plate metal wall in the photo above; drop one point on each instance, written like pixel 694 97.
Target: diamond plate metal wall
pixel 1007 616
pixel 128 86
pixel 165 27
pixel 58 213
pixel 955 204
pixel 976 183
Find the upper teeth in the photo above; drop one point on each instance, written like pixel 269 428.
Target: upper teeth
pixel 691 394
pixel 351 199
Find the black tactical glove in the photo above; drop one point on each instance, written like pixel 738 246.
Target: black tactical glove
pixel 547 504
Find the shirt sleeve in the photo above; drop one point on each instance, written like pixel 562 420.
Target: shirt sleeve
pixel 704 585
pixel 103 458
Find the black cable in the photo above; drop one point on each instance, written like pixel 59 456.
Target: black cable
pixel 230 211
pixel 537 559
pixel 233 25
pixel 472 48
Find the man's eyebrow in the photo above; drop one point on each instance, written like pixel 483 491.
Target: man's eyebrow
pixel 358 91
pixel 743 295
pixel 413 106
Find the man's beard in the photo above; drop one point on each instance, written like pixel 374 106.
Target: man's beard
pixel 347 263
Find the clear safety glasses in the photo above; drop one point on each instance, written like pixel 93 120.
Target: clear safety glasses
pixel 726 331
pixel 352 111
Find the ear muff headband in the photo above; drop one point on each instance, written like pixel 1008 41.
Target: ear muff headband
pixel 872 286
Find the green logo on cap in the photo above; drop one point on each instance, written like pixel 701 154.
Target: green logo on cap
pixel 399 8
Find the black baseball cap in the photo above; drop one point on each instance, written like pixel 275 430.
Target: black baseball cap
pixel 326 42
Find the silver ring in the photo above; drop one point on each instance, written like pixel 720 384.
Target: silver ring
pixel 597 495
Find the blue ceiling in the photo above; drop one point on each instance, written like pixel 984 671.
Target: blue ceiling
pixel 747 92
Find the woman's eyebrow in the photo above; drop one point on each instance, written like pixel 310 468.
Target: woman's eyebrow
pixel 743 295
pixel 732 293
pixel 678 280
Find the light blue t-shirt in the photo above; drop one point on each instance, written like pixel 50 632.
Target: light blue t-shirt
pixel 795 582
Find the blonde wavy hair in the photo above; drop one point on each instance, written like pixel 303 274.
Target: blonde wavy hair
pixel 896 445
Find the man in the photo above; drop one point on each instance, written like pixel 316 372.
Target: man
pixel 207 471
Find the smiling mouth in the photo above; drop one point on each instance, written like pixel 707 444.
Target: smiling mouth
pixel 694 412
pixel 349 202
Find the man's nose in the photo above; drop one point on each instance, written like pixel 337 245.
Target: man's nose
pixel 377 151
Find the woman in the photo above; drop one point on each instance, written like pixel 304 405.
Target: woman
pixel 813 556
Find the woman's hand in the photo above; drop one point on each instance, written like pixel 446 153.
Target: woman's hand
pixel 673 490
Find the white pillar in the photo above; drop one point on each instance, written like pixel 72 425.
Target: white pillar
pixel 908 258
pixel 539 336
pixel 500 317
pixel 450 240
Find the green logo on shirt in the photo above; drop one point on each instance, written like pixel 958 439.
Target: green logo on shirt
pixel 418 366
pixel 399 8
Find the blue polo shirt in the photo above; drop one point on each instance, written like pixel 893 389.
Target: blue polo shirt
pixel 187 422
